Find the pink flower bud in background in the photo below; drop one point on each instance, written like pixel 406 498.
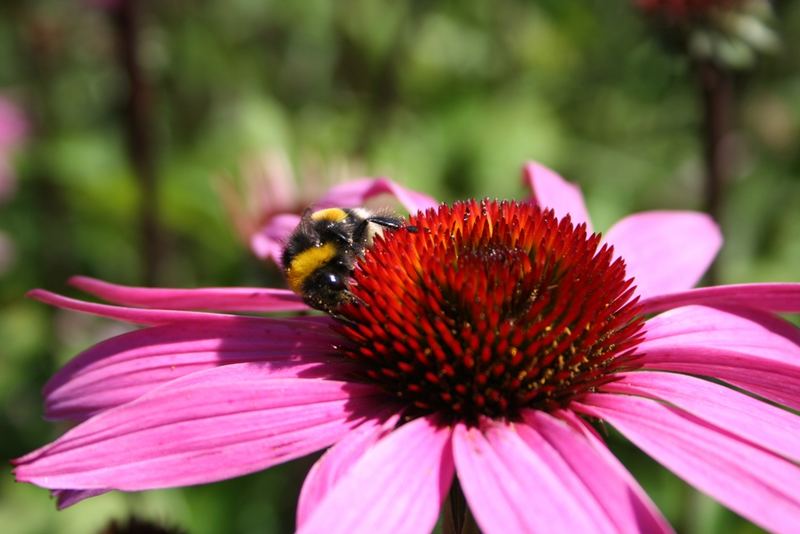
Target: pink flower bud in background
pixel 266 199
pixel 13 132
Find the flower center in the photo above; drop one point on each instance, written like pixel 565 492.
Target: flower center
pixel 489 308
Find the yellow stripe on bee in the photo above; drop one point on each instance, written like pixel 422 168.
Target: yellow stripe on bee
pixel 307 262
pixel 330 214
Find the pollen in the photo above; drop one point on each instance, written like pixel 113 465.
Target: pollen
pixel 489 308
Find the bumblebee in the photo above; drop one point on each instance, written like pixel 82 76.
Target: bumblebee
pixel 320 255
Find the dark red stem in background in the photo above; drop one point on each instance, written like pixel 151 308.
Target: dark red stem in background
pixel 716 92
pixel 138 129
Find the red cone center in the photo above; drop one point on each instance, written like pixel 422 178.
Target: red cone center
pixel 489 308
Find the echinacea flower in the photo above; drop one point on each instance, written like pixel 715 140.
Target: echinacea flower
pixel 484 345
pixel 268 202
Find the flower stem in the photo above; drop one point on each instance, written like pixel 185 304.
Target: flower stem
pixel 457 516
pixel 138 126
pixel 716 97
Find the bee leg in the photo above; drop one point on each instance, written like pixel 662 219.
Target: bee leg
pixel 387 222
pixel 360 232
pixel 393 223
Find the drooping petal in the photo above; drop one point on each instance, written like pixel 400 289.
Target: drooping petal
pixel 552 191
pixel 208 426
pixel 758 422
pixel 647 512
pixel 243 334
pixel 776 297
pixel 739 329
pixel 776 381
pixel 747 348
pixel 751 481
pixel 241 299
pixel 125 367
pixel 337 461
pixel 398 485
pixel 512 488
pixel 596 482
pixel 146 316
pixel 665 251
pixel 354 193
pixel 268 242
pixel 66 497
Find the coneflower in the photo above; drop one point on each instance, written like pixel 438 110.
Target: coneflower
pixel 483 346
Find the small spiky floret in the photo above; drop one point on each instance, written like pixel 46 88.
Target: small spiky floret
pixel 489 308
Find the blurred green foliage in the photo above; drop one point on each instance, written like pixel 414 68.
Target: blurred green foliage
pixel 446 97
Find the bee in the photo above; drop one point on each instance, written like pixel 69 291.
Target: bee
pixel 320 255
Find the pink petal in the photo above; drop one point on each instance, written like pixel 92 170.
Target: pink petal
pixel 337 462
pixel 776 381
pixel 66 498
pixel 647 512
pixel 269 183
pixel 743 330
pixel 758 422
pixel 584 428
pixel 398 485
pixel 14 125
pixel 747 348
pixel 132 315
pixel 125 367
pixel 777 297
pixel 210 298
pixel 268 242
pixel 511 487
pixel 354 193
pixel 601 486
pixel 751 481
pixel 552 191
pixel 207 426
pixel 666 251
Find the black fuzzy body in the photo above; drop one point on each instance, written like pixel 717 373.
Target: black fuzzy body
pixel 326 286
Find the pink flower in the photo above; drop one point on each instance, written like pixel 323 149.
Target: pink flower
pixel 485 345
pixel 13 131
pixel 268 238
pixel 268 203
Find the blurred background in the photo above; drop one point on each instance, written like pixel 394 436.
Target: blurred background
pixel 136 139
